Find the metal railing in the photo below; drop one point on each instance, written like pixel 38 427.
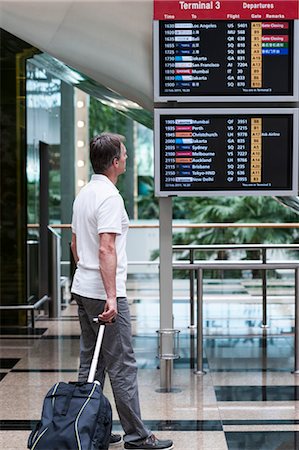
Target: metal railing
pixel 262 248
pixel 240 265
pixel 197 267
pixel 31 306
pixel 52 294
pixel 67 226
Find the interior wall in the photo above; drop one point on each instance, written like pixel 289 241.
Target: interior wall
pixel 13 210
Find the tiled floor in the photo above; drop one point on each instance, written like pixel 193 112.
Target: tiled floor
pixel 248 398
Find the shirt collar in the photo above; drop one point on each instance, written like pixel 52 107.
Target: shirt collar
pixel 100 177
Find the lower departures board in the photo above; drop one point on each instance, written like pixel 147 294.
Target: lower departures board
pixel 242 59
pixel 218 152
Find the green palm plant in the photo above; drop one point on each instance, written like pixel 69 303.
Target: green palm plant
pixel 263 210
pixel 242 210
pixel 148 204
pixel 213 210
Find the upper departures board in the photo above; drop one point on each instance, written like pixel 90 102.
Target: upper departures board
pixel 215 60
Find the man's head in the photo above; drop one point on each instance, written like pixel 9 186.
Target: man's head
pixel 106 151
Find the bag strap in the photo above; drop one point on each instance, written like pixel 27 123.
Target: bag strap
pixel 68 399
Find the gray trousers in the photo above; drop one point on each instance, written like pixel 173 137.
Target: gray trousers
pixel 116 357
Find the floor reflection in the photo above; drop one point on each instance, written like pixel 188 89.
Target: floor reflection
pixel 274 440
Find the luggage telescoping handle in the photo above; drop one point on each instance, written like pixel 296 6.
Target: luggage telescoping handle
pixel 96 353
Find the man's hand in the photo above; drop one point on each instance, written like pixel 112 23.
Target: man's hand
pixel 110 311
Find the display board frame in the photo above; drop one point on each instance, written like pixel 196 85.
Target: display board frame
pixel 293 190
pixel 225 10
pixel 158 98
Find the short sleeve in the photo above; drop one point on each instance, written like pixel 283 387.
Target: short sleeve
pixel 73 224
pixel 109 215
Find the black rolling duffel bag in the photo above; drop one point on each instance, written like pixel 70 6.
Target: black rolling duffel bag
pixel 75 416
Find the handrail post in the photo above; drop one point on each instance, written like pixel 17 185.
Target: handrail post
pixel 264 288
pixel 199 370
pixel 32 319
pixel 54 269
pixel 296 333
pixel 191 275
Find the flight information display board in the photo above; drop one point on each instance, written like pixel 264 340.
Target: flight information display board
pixel 214 60
pixel 235 152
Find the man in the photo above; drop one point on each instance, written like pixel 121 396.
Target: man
pixel 99 226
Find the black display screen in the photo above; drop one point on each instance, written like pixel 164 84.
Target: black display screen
pixel 221 58
pixel 247 153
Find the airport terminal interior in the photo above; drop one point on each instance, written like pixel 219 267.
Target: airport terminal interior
pixel 229 377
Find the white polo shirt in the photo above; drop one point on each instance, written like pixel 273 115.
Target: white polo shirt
pixel 98 208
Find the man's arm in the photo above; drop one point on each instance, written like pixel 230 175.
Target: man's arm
pixel 108 263
pixel 74 248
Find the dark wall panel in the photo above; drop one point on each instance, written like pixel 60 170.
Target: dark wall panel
pixel 13 211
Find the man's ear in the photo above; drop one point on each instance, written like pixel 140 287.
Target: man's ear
pixel 115 161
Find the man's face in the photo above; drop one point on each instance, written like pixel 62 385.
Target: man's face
pixel 122 160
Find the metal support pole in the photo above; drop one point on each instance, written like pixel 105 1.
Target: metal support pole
pixel 43 218
pixel 199 370
pixel 168 366
pixel 191 275
pixel 264 280
pixel 192 348
pixel 264 344
pixel 166 291
pixel 296 337
pixel 32 319
pixel 54 268
pixel 67 160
